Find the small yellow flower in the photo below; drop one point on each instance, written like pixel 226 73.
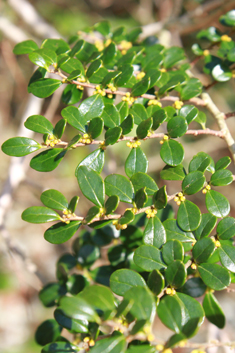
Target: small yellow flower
pixel 193 266
pixel 125 45
pixel 159 347
pixel 140 75
pixel 206 52
pixel 162 70
pixel 226 38
pixel 178 104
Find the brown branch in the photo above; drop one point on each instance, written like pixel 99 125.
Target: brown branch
pixel 229 115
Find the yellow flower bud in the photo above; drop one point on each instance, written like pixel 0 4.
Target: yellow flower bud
pixel 226 38
pixel 204 191
pixel 193 266
pixel 206 52
pixel 178 203
pixel 208 187
pixel 180 194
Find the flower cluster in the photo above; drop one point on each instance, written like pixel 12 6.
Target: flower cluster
pixel 178 104
pixel 99 90
pixel 154 102
pixel 86 139
pixel 179 198
pixel 140 75
pixel 119 226
pixel 127 98
pixel 170 291
pixel 206 189
pixel 151 212
pixel 165 138
pixel 124 46
pixel 133 144
pixel 52 141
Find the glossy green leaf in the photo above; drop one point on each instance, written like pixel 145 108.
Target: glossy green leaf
pixel 75 326
pixel 131 237
pixel 95 127
pixel 127 217
pixel 172 152
pixel 127 124
pixel 61 232
pixel 227 256
pixel 68 64
pixel 173 173
pixel 211 34
pixel 117 255
pixel 123 110
pixel 173 82
pixel 173 231
pixel 176 274
pixel 43 57
pixel 172 56
pixel 139 113
pixel 122 280
pixel 217 204
pixel 188 216
pixel 78 308
pixel 126 73
pixel 201 119
pixel 201 162
pixel 109 77
pixel 160 198
pixel 111 115
pixel 39 73
pixel 221 73
pixel 109 53
pixel 112 135
pixel 25 47
pixel 191 89
pixel 144 128
pixel 111 204
pixel 57 45
pixel 175 340
pixel 203 249
pixel 48 331
pixel 181 313
pixel 48 160
pixel 39 123
pixel 136 162
pixel 119 185
pixel 148 258
pixel 74 118
pixel 94 160
pixel 38 214
pixel 159 117
pixel 44 87
pixel 143 348
pixel 54 199
pixel 221 177
pixel 71 95
pixel 172 250
pixel 189 112
pixel 72 143
pixel 214 276
pixel 154 233
pixel 206 226
pixel 156 282
pixel 92 213
pixel 141 197
pixel 226 228
pixel 20 146
pixel 116 342
pixel 91 185
pixel 103 27
pixel 193 182
pixel 50 294
pixel 152 60
pixel 92 107
pixel 154 75
pixel 213 310
pixel 143 307
pixel 140 180
pixel 177 126
pixel 61 347
pixel 96 71
pixel 59 128
pixel 228 19
pixel 223 163
pixel 194 287
pixel 140 87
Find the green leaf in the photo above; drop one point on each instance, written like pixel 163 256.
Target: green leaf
pixel 213 310
pixel 221 177
pixel 111 204
pixel 172 56
pixel 154 75
pixel 94 160
pixel 140 87
pixel 111 115
pixel 228 19
pixel 117 343
pixel 201 119
pixel 71 95
pixel 126 73
pixel 177 126
pixel 189 112
pixel 88 254
pixel 159 117
pixel 143 307
pixel 112 135
pixel 173 231
pixel 160 198
pixel 74 118
pixel 73 204
pixel 222 163
pixel 96 72
pixel 136 162
pixel 172 152
pixel 173 173
pixel 50 294
pixel 92 107
pixel 214 276
pixel 139 113
pixel 143 348
pixel 175 340
pixel 221 73
pixel 44 87
pixel 173 82
pixel 78 308
pixel 156 282
pixel 109 53
pixel 189 216
pixel 122 280
pixel 227 256
pixel 54 199
pixel 57 45
pixel 92 213
pixel 59 347
pixel 172 250
pixel 203 249
pixel 73 325
pixel 43 57
pixel 211 34
pixel 181 313
pixel 154 233
pixel 148 258
pixel 39 73
pixel 128 217
pixel 191 89
pixel 226 228
pixel 127 124
pixel 103 27
pixel 144 128
pixel 38 214
pixel 123 110
pixel 196 49
pixel 140 180
pixel 68 64
pixel 39 123
pixel 25 47
pixel 119 185
pixel 217 204
pixel 61 232
pixel 194 287
pixel 47 332
pixel 91 185
pixel 141 197
pixel 202 162
pixel 59 128
pixel 20 146
pixel 193 182
pixel 48 160
pixel 176 274
pixel 117 255
pixel 76 283
pixel 206 226
pixel 95 127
